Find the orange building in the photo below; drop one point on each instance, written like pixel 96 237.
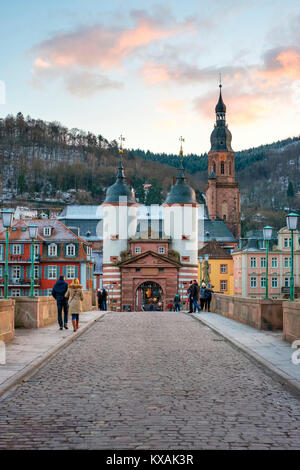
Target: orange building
pixel 218 271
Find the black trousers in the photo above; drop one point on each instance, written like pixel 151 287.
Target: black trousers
pixel 62 305
pixel 191 304
pixel 202 303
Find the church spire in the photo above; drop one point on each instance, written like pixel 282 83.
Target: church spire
pixel 221 136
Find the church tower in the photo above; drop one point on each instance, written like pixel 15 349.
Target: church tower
pixel 222 191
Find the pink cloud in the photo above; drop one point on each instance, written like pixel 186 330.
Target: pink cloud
pixel 104 47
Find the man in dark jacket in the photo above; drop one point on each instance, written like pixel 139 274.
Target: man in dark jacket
pixel 196 293
pixel 100 299
pixel 190 296
pixel 58 292
pixel 104 299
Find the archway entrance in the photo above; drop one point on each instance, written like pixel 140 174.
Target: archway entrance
pixel 149 297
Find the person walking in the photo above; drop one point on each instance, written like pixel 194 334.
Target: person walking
pixel 177 301
pixel 190 296
pixel 203 295
pixel 196 293
pixel 208 298
pixel 58 292
pixel 100 301
pixel 104 299
pixel 75 296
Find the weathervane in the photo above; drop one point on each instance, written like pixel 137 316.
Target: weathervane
pixel 181 139
pixel 121 139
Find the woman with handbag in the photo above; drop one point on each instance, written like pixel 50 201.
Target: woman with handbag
pixel 75 296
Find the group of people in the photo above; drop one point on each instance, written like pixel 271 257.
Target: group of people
pixel 196 293
pixel 69 300
pixel 102 299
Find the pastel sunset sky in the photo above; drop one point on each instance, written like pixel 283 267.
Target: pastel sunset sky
pixel 150 70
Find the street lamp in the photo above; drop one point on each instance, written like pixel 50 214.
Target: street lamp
pixel 7 218
pixel 267 232
pixel 206 258
pixel 200 261
pixel 33 229
pixel 291 222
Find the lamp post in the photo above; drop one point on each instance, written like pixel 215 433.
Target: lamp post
pixel 200 261
pixel 206 258
pixel 7 218
pixel 267 232
pixel 291 222
pixel 88 271
pixel 32 234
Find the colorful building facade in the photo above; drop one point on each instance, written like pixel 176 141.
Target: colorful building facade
pixel 218 270
pixel 57 251
pixel 250 265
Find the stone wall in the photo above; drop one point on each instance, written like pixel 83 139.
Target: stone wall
pixel 36 312
pixel 259 313
pixel 291 321
pixel 7 320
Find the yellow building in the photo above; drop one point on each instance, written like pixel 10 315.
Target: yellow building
pixel 218 270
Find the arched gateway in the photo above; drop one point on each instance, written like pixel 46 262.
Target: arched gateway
pixel 149 297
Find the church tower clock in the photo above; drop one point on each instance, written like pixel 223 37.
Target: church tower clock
pixel 222 191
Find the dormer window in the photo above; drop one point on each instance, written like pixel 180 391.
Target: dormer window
pixel 52 250
pixel 137 250
pixel 47 231
pixel 71 250
pixel 161 250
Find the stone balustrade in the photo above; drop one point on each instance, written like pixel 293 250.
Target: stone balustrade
pixel 7 319
pixel 36 312
pixel 262 314
pixel 291 321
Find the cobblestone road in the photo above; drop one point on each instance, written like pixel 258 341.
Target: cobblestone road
pixel 150 380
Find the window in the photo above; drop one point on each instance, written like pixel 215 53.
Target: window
pixel 47 231
pixel 223 285
pixel 222 168
pixel 52 272
pixel 286 282
pixel 36 292
pixel 137 270
pixel 1 272
pixel 17 249
pixel 263 282
pixel 287 243
pixel 262 244
pixel 252 262
pixel 263 263
pixel 71 250
pixel 274 282
pixel 161 250
pixel 16 272
pixel 15 292
pixel 287 262
pixel 52 250
pixel 253 283
pixel 223 269
pixel 36 250
pixel 137 250
pixel 70 272
pixel 161 270
pixel 36 272
pixel 274 263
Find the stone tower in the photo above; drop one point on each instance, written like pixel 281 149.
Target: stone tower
pixel 119 224
pixel 181 224
pixel 222 191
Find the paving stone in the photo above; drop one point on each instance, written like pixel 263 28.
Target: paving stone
pixel 150 381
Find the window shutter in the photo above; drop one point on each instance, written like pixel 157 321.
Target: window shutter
pixel 65 250
pixel 22 272
pixel 40 272
pixel 65 271
pixel 22 249
pixel 46 272
pixel 28 270
pixel 76 271
pixel 10 249
pixel 76 249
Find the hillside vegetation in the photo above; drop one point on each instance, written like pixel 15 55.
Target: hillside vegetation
pixel 46 161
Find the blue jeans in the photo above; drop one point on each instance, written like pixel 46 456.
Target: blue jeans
pixel 196 305
pixel 104 305
pixel 62 305
pixel 177 308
